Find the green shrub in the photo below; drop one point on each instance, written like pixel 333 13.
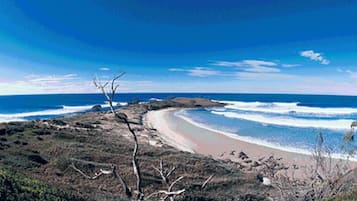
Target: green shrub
pixel 350 196
pixel 14 187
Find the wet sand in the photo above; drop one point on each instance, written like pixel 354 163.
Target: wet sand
pixel 186 136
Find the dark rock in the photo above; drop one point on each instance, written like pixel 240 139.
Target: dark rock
pixel 243 155
pixel 122 116
pixel 17 142
pixel 134 102
pixel 39 138
pixel 59 122
pixel 3 139
pixel 255 164
pixel 84 125
pixel 354 124
pixel 2 131
pixel 37 159
pixel 35 151
pixel 59 173
pixel 260 177
pixel 97 108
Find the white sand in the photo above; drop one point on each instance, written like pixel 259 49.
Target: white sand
pixel 186 136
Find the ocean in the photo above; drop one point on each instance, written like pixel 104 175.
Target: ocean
pixel 286 122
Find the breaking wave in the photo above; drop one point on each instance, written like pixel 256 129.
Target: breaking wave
pixel 287 108
pixel 289 121
pixel 64 110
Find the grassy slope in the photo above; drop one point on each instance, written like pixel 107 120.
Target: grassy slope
pixel 43 151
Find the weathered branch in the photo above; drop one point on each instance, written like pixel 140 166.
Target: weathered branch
pixel 96 175
pixel 168 194
pixel 126 189
pixel 165 174
pixel 206 182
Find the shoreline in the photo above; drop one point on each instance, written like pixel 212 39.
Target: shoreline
pixel 257 142
pixel 185 135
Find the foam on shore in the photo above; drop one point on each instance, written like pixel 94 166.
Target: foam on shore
pixel 256 141
pixel 337 124
pixel 64 110
pixel 286 108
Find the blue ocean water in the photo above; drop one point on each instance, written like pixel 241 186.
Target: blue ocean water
pixel 288 122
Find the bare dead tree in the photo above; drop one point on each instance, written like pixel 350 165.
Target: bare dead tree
pixel 110 94
pixel 165 175
pixel 109 89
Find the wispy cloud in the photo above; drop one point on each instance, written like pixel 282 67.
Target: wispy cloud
pixel 258 66
pixel 104 69
pixel 315 56
pixel 263 76
pixel 352 74
pixel 50 78
pixel 290 65
pixel 198 71
pixel 262 69
pixel 68 83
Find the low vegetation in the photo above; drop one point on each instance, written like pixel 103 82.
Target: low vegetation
pixel 15 187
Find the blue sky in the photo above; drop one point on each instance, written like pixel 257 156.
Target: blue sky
pixel 253 46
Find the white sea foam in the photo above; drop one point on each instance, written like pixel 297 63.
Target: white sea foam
pixel 290 121
pixel 10 119
pixel 155 99
pixel 258 141
pixel 61 111
pixel 286 108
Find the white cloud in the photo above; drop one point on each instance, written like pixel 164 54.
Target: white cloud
pixel 228 63
pixel 259 63
pixel 177 69
pixel 198 71
pixel 104 69
pixel 50 78
pixel 69 83
pixel 263 76
pixel 290 65
pixel 315 56
pixel 352 74
pixel 258 66
pixel 261 69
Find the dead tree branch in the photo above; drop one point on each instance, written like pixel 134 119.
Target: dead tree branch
pixel 165 176
pixel 206 182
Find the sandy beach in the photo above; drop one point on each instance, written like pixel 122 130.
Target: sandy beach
pixel 186 136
